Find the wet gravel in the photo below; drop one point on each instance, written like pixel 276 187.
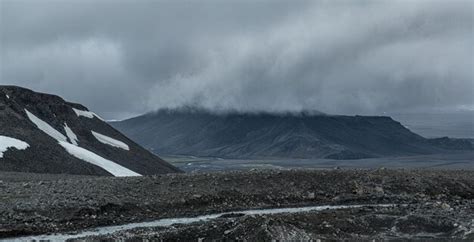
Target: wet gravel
pixel 427 221
pixel 440 203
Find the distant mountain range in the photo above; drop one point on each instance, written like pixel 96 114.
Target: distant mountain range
pixel 264 135
pixel 42 133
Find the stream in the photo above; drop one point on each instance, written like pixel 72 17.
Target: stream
pixel 166 222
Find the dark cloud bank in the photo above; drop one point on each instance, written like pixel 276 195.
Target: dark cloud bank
pixel 127 57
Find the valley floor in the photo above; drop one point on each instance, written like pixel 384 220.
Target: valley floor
pixel 454 160
pixel 423 204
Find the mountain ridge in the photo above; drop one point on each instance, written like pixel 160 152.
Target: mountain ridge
pixel 265 135
pixel 27 116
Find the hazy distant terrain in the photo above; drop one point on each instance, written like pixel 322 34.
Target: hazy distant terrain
pixel 453 124
pixel 459 160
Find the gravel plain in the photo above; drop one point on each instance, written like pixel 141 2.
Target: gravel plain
pixel 432 204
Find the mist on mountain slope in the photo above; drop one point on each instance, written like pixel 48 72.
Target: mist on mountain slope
pixel 337 57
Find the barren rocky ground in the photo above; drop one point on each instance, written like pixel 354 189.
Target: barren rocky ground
pixel 431 204
pixel 416 221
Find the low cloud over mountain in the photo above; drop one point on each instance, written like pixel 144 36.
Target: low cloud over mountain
pixel 334 56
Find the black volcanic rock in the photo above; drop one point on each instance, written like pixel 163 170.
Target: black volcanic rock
pixel 45 155
pixel 264 135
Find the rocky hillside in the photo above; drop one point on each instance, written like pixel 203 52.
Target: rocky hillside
pixel 42 133
pixel 237 135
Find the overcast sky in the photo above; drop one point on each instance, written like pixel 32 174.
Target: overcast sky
pixel 122 58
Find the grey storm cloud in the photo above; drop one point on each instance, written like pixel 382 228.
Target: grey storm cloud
pixel 128 57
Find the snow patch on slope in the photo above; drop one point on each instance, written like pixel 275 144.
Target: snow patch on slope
pixel 70 134
pixel 7 142
pixel 81 153
pixel 110 141
pixel 87 114
pixel 85 155
pixel 45 127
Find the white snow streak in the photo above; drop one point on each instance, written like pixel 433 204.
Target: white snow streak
pixel 7 96
pixel 87 114
pixel 70 134
pixel 45 127
pixel 85 155
pixel 110 141
pixel 81 153
pixel 7 142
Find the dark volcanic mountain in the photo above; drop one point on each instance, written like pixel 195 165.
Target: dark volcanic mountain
pixel 43 133
pixel 237 135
